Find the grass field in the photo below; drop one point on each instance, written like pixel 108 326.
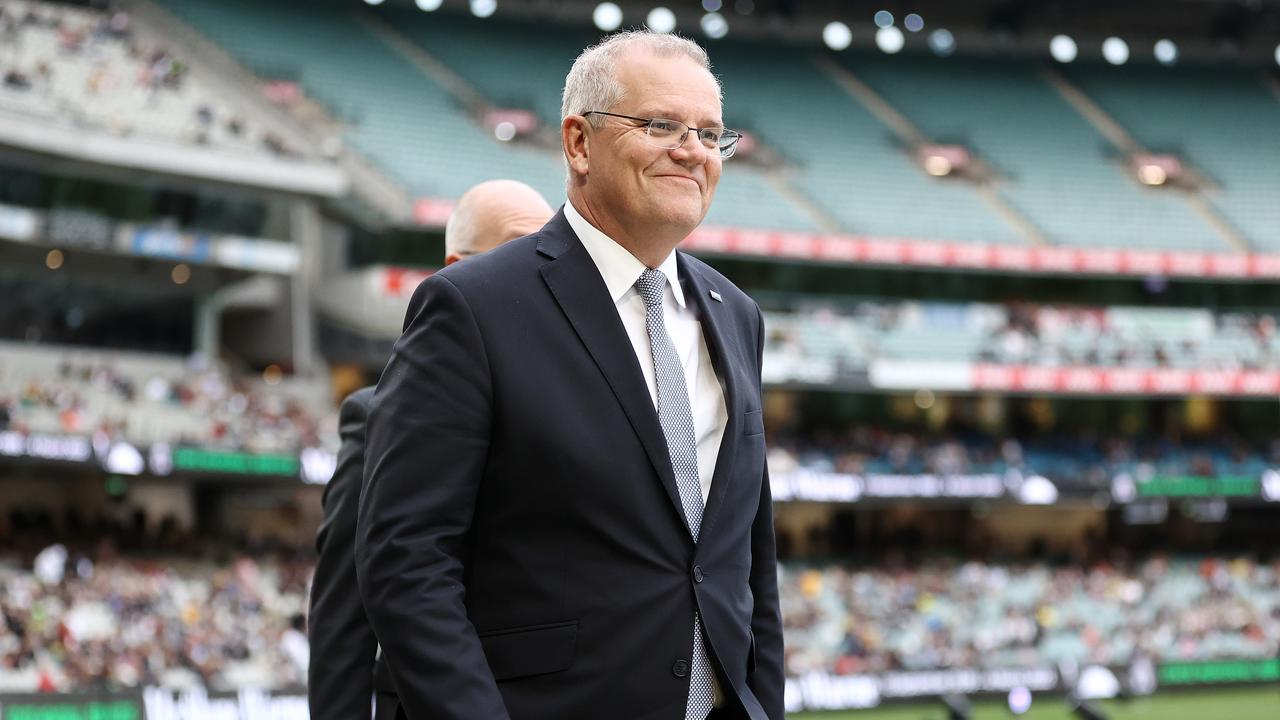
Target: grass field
pixel 1236 704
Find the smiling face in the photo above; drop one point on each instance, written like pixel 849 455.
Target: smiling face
pixel 639 193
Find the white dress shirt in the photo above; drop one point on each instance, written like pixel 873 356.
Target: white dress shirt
pixel 620 270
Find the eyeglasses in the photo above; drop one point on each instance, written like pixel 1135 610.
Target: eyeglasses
pixel 670 134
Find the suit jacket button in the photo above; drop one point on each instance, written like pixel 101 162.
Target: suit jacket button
pixel 697 573
pixel 680 668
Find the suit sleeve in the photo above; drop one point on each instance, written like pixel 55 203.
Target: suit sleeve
pixel 429 429
pixel 766 681
pixel 343 647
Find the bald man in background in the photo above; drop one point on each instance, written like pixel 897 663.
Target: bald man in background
pixel 346 671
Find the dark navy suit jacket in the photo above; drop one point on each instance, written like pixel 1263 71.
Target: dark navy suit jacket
pixel 522 551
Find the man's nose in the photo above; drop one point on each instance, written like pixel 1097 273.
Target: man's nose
pixel 690 151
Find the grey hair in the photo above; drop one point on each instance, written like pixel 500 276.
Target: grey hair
pixel 592 82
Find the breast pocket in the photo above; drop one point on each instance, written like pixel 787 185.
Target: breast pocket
pixel 753 422
pixel 530 650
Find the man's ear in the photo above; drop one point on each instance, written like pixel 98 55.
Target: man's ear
pixel 575 139
pixel 451 258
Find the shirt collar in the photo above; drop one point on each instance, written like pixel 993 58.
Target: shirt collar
pixel 619 268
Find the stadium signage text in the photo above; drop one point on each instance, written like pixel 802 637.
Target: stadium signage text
pixel 69 448
pixel 824 691
pixel 813 486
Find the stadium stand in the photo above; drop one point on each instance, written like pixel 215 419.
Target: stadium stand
pixel 1056 167
pixel 1219 120
pixel 856 334
pixel 1084 461
pixel 77 65
pixel 74 624
pixel 397 114
pixel 852 619
pixel 156 398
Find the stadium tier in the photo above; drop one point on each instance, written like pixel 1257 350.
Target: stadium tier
pixel 834 161
pixel 148 399
pixel 1220 121
pixel 88 69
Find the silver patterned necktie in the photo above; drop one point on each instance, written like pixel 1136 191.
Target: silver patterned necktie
pixel 676 417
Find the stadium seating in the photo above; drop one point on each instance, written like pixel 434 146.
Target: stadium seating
pixel 78 66
pixel 854 335
pixel 172 622
pixel 1073 464
pixel 398 115
pixel 155 398
pixel 847 620
pixel 1057 169
pixel 1220 120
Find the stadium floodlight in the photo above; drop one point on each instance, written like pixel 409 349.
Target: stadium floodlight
pixel 942 42
pixel 883 19
pixel 373 2
pixel 1166 51
pixel 714 25
pixel 483 8
pixel 505 131
pixel 1062 48
pixel 913 23
pixel 1115 51
pixel 837 35
pixel 712 5
pixel 607 16
pixel 661 20
pixel 890 39
pixel 428 5
pixel 1278 54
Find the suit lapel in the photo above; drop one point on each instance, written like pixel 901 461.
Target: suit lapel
pixel 574 280
pixel 720 334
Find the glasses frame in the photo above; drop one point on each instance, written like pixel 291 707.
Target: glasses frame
pixel 726 150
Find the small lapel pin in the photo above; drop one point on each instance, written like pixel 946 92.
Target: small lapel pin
pixel 716 296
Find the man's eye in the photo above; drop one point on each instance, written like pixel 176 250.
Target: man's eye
pixel 663 126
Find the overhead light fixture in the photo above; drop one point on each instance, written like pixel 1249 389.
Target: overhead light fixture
pixel 1166 52
pixel 913 23
pixel 937 166
pixel 1062 48
pixel 942 42
pixel 714 25
pixel 661 20
pixel 1115 51
pixel 883 19
pixel 373 2
pixel 712 5
pixel 607 16
pixel 483 8
pixel 890 39
pixel 429 5
pixel 837 35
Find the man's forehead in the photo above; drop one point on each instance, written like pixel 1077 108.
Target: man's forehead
pixel 674 86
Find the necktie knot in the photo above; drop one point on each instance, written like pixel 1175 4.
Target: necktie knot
pixel 650 287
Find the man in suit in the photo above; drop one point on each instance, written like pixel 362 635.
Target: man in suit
pixel 566 512
pixel 343 675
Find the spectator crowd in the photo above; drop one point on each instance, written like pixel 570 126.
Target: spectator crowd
pixel 939 615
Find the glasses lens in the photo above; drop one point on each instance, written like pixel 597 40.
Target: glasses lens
pixel 667 133
pixel 728 143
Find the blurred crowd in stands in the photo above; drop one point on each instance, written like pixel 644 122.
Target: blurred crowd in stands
pixel 847 620
pixel 93 68
pixel 109 613
pixel 853 335
pixel 102 619
pixel 1089 460
pixel 198 405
